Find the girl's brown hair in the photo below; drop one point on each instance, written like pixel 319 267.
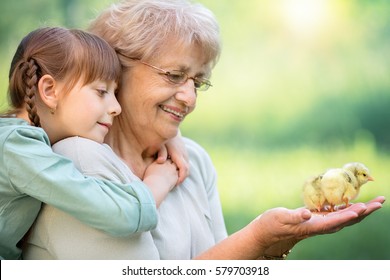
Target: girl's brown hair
pixel 67 55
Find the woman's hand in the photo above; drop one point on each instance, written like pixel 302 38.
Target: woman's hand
pixel 279 229
pixel 175 150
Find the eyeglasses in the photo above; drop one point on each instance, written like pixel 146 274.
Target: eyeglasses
pixel 178 77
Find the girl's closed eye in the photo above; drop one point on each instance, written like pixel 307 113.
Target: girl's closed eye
pixel 102 92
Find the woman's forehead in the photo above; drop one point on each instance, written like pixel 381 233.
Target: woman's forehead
pixel 180 53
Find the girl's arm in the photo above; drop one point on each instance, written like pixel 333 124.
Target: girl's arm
pixel 34 169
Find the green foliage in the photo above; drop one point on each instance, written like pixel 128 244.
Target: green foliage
pixel 341 120
pixel 292 96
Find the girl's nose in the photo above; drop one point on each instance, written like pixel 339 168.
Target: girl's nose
pixel 115 108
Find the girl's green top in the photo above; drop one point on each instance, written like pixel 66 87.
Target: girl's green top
pixel 31 173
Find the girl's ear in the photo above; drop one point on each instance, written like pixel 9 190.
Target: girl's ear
pixel 47 91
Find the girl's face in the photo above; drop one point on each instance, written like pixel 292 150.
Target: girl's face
pixel 86 111
pixel 153 106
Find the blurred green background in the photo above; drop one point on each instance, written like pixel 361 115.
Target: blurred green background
pixel 301 86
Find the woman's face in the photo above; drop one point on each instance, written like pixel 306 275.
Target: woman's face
pixel 150 103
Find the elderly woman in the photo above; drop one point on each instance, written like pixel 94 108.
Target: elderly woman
pixel 167 49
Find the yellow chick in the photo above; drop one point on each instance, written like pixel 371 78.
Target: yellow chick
pixel 313 197
pixel 341 185
pixel 361 172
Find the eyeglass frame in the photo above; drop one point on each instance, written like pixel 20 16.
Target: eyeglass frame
pixel 205 84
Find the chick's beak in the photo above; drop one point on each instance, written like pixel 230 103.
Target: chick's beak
pixel 370 178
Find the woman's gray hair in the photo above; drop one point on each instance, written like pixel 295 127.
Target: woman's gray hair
pixel 141 29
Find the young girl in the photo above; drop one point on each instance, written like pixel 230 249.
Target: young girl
pixel 62 83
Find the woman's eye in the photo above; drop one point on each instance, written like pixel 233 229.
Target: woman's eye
pixel 176 77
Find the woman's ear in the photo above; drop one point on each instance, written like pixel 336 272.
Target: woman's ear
pixel 47 91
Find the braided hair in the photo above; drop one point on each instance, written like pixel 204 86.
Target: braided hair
pixel 67 55
pixel 31 89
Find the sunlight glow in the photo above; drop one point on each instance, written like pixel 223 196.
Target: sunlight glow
pixel 305 17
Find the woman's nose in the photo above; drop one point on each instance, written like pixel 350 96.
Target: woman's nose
pixel 187 93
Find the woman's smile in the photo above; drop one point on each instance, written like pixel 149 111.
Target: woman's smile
pixel 175 112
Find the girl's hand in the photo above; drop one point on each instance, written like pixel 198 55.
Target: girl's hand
pixel 161 178
pixel 175 150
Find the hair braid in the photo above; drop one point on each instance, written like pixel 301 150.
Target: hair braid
pixel 69 56
pixel 31 90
